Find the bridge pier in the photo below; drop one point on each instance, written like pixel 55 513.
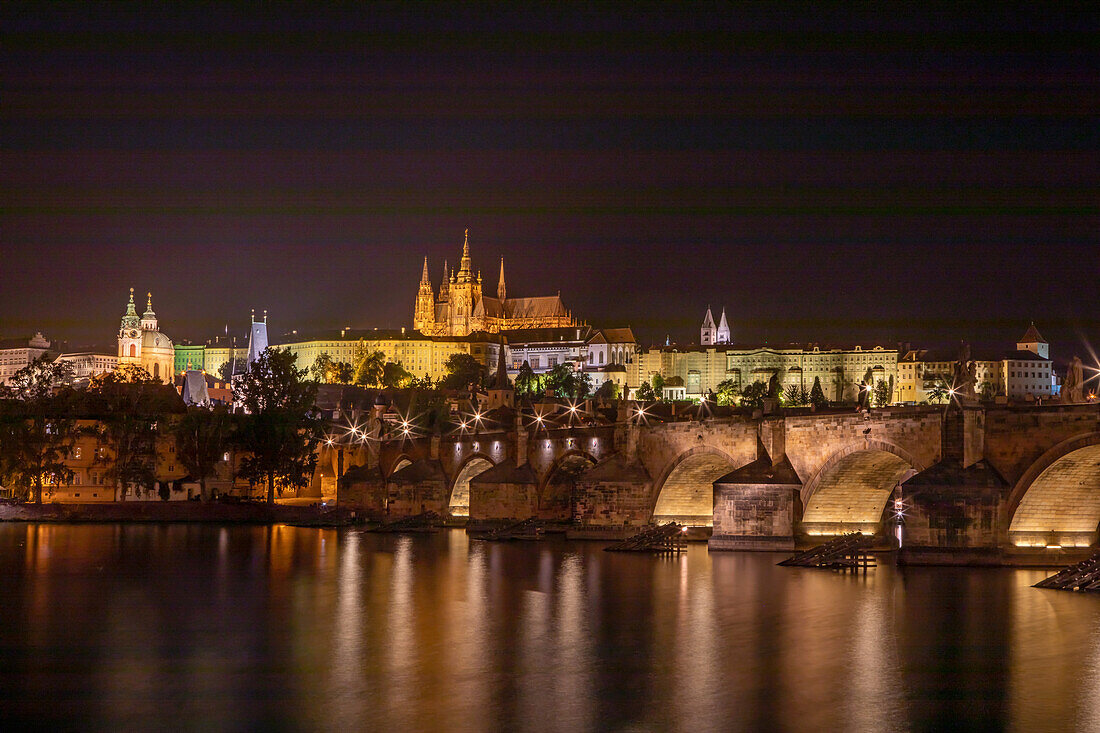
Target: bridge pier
pixel 755 507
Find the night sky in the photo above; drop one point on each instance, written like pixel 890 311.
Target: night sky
pixel 834 176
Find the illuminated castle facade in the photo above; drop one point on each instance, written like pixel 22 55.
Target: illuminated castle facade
pixel 461 309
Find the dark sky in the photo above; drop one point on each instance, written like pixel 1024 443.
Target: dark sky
pixel 843 175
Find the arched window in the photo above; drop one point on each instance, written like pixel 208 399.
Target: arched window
pixel 601 357
pixel 133 350
pixel 156 370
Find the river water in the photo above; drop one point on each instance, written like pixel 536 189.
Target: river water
pixel 192 627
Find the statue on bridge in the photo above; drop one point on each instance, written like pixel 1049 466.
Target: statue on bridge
pixel 1073 385
pixel 965 378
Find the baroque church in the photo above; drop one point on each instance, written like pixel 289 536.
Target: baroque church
pixel 461 309
pixel 142 344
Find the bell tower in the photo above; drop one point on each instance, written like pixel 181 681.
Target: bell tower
pixel 129 334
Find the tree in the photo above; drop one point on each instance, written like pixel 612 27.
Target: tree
pixel 795 396
pixel 582 386
pixel 130 400
pixel 527 382
pixel 881 393
pixel 342 373
pixel 658 382
pixel 201 436
pixel 728 392
pixel 564 381
pixel 817 395
pixel 282 426
pixel 462 370
pixel 35 438
pixel 394 375
pixel 323 368
pixel 421 383
pixel 939 391
pixel 368 366
pixel 753 395
pixel 607 391
pixel 645 393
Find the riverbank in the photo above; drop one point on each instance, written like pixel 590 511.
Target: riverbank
pixel 180 511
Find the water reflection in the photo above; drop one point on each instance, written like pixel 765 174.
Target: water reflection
pixel 110 626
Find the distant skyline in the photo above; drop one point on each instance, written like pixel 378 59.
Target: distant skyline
pixel 843 175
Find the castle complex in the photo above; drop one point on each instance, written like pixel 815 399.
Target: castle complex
pixel 461 309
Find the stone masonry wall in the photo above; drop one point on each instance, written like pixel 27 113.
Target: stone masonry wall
pixel 491 501
pixel 813 439
pixel 753 516
pixel 613 503
pixel 1016 438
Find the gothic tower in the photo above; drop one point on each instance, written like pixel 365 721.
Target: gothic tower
pixel 723 330
pixel 424 314
pixel 707 333
pixel 462 293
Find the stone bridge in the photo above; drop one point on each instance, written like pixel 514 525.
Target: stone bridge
pixel 974 477
pixel 492 475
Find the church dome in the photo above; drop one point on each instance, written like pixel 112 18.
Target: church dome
pixel 155 340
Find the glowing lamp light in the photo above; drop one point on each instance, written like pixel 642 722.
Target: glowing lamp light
pixel 462 425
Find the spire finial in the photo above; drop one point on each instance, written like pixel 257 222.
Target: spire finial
pixel 131 295
pixel 149 303
pixel 466 243
pixel 265 315
pixel 253 315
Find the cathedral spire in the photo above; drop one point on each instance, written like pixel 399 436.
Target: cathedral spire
pixel 464 263
pixel 424 274
pixel 501 292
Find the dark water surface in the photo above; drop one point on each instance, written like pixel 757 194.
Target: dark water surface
pixel 196 627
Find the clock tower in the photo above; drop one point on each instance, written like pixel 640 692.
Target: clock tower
pixel 129 335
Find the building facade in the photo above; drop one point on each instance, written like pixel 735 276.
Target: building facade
pixel 15 354
pixel 1023 374
pixel 461 308
pixel 841 371
pixel 141 343
pixel 88 364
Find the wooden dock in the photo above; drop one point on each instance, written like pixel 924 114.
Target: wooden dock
pixel 1084 576
pixel 664 539
pixel 847 552
pixel 527 529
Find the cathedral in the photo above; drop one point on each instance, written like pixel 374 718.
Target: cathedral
pixel 461 309
pixel 140 343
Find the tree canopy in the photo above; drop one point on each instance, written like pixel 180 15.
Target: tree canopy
pixel 282 427
pixel 35 437
pixel 462 370
pixel 201 436
pixel 753 395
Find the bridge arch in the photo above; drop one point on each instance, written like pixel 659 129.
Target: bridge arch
pixel 685 493
pixel 1057 500
pixel 399 462
pixel 849 492
pixel 458 502
pixel 555 489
